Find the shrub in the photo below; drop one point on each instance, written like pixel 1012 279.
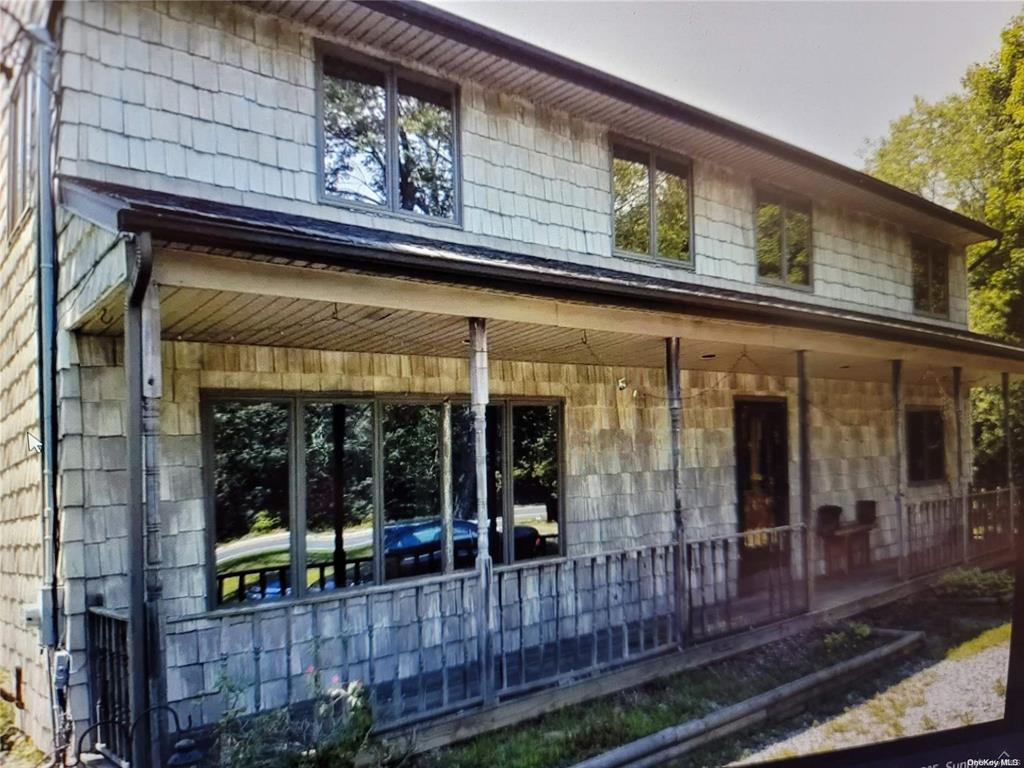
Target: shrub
pixel 974 582
pixel 334 734
pixel 847 637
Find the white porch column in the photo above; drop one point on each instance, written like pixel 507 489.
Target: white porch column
pixel 478 388
pixel 900 436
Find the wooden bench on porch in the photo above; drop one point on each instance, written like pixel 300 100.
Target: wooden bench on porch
pixel 847 547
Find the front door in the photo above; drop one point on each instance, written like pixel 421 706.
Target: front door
pixel 762 475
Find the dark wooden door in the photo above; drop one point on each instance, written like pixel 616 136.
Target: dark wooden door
pixel 762 476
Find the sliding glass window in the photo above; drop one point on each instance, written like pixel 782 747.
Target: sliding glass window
pixel 366 502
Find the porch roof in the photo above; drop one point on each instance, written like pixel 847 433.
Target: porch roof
pixel 180 219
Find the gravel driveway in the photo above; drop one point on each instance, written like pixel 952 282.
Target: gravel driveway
pixel 966 688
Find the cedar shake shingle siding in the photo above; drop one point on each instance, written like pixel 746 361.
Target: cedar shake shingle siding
pixel 214 100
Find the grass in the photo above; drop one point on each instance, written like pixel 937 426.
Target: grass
pixel 573 733
pixel 16 749
pixel 989 639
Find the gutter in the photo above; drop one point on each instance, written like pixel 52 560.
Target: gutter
pixel 182 225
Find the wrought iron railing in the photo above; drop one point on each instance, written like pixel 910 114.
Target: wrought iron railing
pixel 744 580
pixel 109 682
pixel 936 534
pixel 568 617
pixel 990 519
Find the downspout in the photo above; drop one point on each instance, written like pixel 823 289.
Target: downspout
pixel 46 372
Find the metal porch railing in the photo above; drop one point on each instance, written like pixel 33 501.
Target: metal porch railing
pixel 109 683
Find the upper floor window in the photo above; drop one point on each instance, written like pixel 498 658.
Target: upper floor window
pixel 388 139
pixel 783 239
pixel 22 155
pixel 652 204
pixel 926 448
pixel 931 277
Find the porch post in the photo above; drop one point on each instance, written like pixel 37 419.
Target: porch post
pixel 961 475
pixel 478 388
pixel 447 526
pixel 675 412
pixel 143 377
pixel 804 425
pixel 1008 445
pixel 900 450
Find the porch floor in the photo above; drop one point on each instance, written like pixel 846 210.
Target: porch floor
pixel 835 591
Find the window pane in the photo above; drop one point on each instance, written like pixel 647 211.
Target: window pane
pixel 412 489
pixel 935 446
pixel 251 516
pixel 339 495
pixel 673 212
pixel 798 246
pixel 355 146
pixel 535 492
pixel 769 240
pixel 632 205
pixel 920 270
pixel 426 142
pixel 939 288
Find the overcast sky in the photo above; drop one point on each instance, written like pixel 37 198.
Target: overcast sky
pixel 823 75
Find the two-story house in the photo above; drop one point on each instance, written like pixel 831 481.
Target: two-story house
pixel 364 338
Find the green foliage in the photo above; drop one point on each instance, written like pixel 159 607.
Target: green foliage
pixel 990 639
pixel 974 582
pixel 967 152
pixel 846 639
pixel 568 735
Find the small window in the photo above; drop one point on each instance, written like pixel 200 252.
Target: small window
pixel 388 140
pixel 931 277
pixel 652 204
pixel 926 450
pixel 22 156
pixel 783 239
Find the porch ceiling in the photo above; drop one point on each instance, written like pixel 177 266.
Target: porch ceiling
pixel 238 317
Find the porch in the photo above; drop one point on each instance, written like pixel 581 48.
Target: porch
pixel 642 544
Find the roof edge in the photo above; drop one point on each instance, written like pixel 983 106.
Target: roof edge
pixel 183 219
pixel 486 38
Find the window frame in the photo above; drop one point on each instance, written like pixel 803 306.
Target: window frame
pixel 931 480
pixel 933 248
pixel 676 163
pixel 297 512
pixel 326 51
pixel 21 160
pixel 785 200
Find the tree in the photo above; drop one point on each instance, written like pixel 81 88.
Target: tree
pixel 967 152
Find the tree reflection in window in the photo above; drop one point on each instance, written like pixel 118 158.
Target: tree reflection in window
pixel 376 126
pixel 783 239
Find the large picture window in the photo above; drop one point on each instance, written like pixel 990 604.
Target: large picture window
pixel 930 265
pixel 783 239
pixel 926 446
pixel 652 204
pixel 388 139
pixel 350 491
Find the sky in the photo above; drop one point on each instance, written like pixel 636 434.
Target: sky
pixel 826 76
